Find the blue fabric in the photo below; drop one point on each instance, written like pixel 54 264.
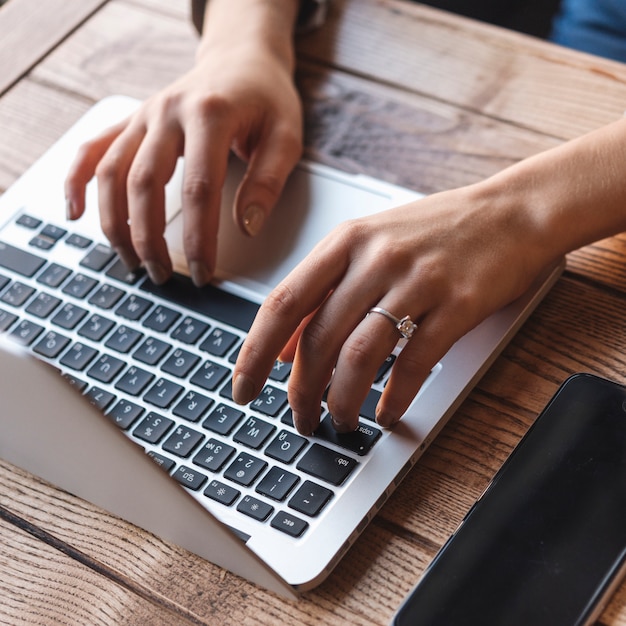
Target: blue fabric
pixel 596 26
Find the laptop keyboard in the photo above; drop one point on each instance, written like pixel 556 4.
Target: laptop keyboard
pixel 157 360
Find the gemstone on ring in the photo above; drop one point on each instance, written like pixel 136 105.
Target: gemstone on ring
pixel 406 327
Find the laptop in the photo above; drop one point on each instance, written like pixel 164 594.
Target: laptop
pixel 146 427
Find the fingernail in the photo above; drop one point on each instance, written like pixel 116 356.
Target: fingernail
pixel 302 424
pixel 158 274
pixel 243 389
pixel 200 274
pixel 385 419
pixel 340 427
pixel 69 209
pixel 253 219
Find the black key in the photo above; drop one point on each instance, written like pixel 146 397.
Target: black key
pixel 255 508
pixel 162 461
pixel 77 383
pixel 161 319
pixel 134 381
pixel 182 441
pixel 189 330
pixel 285 447
pixel 19 261
pixel 359 441
pixel 384 368
pixel 51 345
pixel 78 241
pixel 333 467
pixel 213 455
pixel 69 316
pixel 50 231
pixel 310 498
pixel 192 406
pixel 17 294
pixel 180 363
pixel 6 319
pixel 210 375
pixel 163 393
pixel 98 258
pixel 123 339
pixel 290 524
pixel 190 478
pixel 53 275
pixel 225 494
pixel 26 332
pixel 96 327
pixel 28 221
pixel 42 305
pixel 100 398
pixel 223 419
pixel 124 413
pixel 368 408
pixel 245 469
pixel 271 401
pixel 133 308
pixel 43 243
pixel 209 300
pixel 4 281
pixel 106 297
pixel 280 372
pixel 106 368
pixel 151 351
pixel 119 271
pixel 277 483
pixel 79 286
pixel 78 356
pixel 254 433
pixel 219 342
pixel 152 428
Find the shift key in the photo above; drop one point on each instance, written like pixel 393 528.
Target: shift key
pixel 19 261
pixel 333 467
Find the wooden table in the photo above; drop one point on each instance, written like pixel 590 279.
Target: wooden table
pixel 394 89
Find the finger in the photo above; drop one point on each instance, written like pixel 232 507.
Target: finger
pixel 83 169
pixel 112 173
pixel 207 145
pixel 149 172
pixel 287 354
pixel 265 178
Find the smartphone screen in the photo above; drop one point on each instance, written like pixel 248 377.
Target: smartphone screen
pixel 545 544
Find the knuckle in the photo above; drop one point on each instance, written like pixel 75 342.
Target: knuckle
pixel 357 353
pixel 109 170
pixel 316 338
pixel 141 179
pixel 281 302
pixel 196 189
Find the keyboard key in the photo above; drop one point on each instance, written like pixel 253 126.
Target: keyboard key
pixel 210 375
pixel 192 406
pixel 271 401
pixel 123 339
pixel 55 233
pixel 253 433
pixel 134 381
pixel 79 286
pixel 359 441
pixel 26 332
pixel 28 221
pixel 190 478
pixel 161 319
pixel 163 393
pixel 69 316
pixel 255 508
pixel 189 330
pixel 51 345
pixel 384 368
pixel 53 275
pixel 100 398
pixel 213 455
pixel 6 319
pixel 219 342
pixel 151 351
pixel 225 494
pixel 43 305
pixel 4 281
pixel 96 327
pixel 223 419
pixel 133 308
pixel 152 428
pixel 77 383
pixel 19 261
pixel 78 356
pixel 43 243
pixel 245 469
pixel 167 465
pixel 286 446
pixel 119 271
pixel 321 462
pixel 280 372
pixel 106 297
pixel 277 483
pixel 310 498
pixel 17 294
pixel 368 408
pixel 106 368
pixel 78 241
pixel 180 363
pixel 290 524
pixel 124 413
pixel 182 441
pixel 98 258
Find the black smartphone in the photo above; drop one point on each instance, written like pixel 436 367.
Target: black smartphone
pixel 545 545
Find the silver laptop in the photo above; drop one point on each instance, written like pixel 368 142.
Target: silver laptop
pixel 149 372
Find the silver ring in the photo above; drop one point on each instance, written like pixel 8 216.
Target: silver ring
pixel 405 326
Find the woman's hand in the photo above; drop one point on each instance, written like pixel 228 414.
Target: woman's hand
pixel 240 96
